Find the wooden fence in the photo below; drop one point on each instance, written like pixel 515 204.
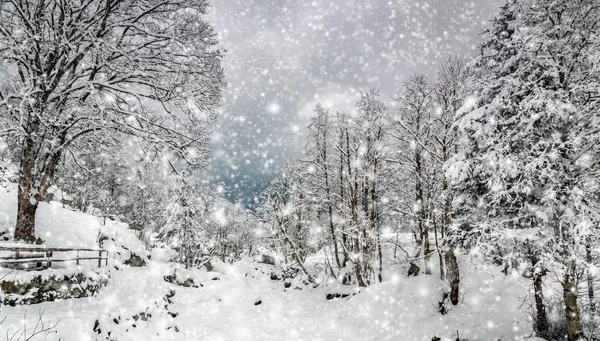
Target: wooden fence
pixel 32 257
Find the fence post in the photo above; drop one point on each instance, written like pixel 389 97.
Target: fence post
pixel 16 254
pixel 49 256
pixel 100 258
pixel 77 259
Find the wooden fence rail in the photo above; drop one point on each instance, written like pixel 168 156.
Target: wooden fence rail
pixel 43 257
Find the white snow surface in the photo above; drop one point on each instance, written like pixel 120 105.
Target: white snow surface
pixel 223 305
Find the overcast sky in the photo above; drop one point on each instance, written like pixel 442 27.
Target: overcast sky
pixel 284 56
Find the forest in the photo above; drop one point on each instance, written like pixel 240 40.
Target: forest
pixel 464 205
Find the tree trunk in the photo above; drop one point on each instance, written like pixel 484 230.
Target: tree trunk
pixel 357 260
pixel 331 227
pixel 296 254
pixel 345 246
pixel 426 250
pixel 453 275
pixel 590 277
pixel 380 256
pixel 374 216
pixel 447 197
pixel 541 321
pixel 321 141
pixel 29 192
pixel 25 228
pixel 419 199
pixel 437 246
pixel 571 309
pixel 26 205
pixel 334 239
pixel 396 244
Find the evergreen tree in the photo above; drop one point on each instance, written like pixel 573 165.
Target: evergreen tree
pixel 530 144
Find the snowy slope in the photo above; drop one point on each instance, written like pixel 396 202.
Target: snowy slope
pixel 61 226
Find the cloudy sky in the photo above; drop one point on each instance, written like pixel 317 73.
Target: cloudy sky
pixel 284 56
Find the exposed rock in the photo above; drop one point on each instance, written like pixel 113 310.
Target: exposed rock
pixel 347 279
pixel 331 296
pixel 290 272
pixel 135 261
pixel 39 289
pixel 413 270
pixel 267 259
pixel 7 286
pixel 170 278
pixel 188 282
pixel 97 327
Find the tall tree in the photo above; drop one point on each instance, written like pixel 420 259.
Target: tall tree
pixel 321 174
pixel 531 143
pixel 372 125
pixel 414 136
pixel 74 69
pixel 283 207
pixel 451 90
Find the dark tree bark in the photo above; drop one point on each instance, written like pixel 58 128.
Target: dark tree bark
pixel 439 251
pixel 26 207
pixel 358 261
pixel 422 226
pixel 541 321
pixel 30 192
pixel 345 245
pixel 452 275
pixel 571 308
pixel 590 277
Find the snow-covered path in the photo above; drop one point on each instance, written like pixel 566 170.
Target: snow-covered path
pixel 224 309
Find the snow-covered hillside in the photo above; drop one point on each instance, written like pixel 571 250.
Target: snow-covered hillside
pixel 240 301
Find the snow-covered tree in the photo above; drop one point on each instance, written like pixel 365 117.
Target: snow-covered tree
pixel 76 70
pixel 413 135
pixel 320 172
pixel 233 228
pixel 371 125
pixel 451 90
pixel 330 198
pixel 186 229
pixel 283 207
pixel 531 145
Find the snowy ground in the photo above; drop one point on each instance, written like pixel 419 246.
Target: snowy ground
pixel 224 307
pixel 401 309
